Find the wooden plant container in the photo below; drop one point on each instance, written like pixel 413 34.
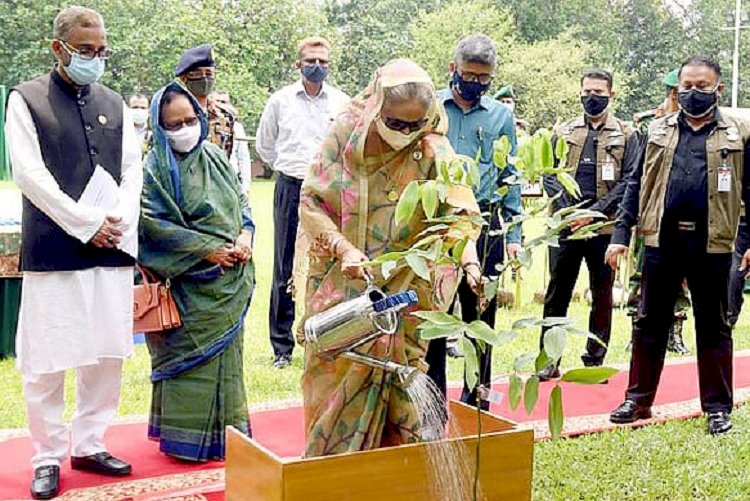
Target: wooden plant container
pixel 388 474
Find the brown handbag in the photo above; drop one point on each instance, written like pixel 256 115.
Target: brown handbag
pixel 154 309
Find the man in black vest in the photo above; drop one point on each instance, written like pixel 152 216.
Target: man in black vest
pixel 76 158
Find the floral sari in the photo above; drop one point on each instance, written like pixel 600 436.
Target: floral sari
pixel 349 406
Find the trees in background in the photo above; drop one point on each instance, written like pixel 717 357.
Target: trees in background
pixel 543 45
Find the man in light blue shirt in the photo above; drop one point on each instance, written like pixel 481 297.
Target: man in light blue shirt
pixel 475 122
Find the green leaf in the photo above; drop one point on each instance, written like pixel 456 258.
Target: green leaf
pixel 523 361
pixel 501 150
pixel 471 363
pixel 419 265
pixel 458 249
pixel 474 173
pixel 547 159
pixel 569 183
pixel 554 322
pixel 523 323
pixel 407 203
pixel 430 198
pixel 531 394
pixel 432 331
pixel 555 340
pixel 515 388
pixel 555 415
pixel 561 151
pixel 589 375
pixel 444 172
pixel 438 318
pixel 490 288
pixel 542 361
pixel 480 330
pixel 387 268
pixel 586 334
pixel 506 337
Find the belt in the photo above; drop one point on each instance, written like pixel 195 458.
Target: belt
pixel 686 225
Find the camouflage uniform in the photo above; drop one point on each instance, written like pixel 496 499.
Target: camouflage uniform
pixel 221 127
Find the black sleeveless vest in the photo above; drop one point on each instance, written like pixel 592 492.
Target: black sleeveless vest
pixel 78 128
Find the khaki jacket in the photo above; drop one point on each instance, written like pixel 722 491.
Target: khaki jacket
pixel 724 147
pixel 611 140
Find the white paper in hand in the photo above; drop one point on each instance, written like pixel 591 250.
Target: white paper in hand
pixel 101 191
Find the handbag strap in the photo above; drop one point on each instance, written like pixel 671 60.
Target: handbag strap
pixel 149 277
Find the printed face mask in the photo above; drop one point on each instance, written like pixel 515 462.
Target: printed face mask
pixel 395 139
pixel 697 103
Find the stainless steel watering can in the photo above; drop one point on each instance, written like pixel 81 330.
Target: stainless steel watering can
pixel 341 329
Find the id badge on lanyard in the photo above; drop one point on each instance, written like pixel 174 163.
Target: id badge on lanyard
pixel 608 168
pixel 725 174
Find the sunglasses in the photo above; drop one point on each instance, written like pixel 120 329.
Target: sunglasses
pixel 402 125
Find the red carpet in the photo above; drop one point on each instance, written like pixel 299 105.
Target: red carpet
pixel 158 477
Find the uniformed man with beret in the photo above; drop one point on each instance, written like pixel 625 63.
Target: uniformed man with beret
pixel 508 98
pixel 686 193
pixel 599 144
pixel 197 71
pixel 642 121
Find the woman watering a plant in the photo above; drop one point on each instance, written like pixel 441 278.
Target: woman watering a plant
pixel 390 135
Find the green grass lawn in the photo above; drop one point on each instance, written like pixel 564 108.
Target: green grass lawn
pixel 674 461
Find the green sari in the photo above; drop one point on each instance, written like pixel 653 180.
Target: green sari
pixel 191 207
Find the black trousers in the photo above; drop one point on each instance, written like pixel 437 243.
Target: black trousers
pixel 737 277
pixel 683 255
pixel 564 266
pixel 285 220
pixel 493 248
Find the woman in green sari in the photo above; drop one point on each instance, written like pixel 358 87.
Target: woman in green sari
pixel 392 133
pixel 196 231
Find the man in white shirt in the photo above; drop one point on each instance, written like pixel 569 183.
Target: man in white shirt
pixel 76 159
pixel 292 127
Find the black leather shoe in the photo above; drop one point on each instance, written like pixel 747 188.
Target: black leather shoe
pixel 46 483
pixel 629 412
pixel 719 422
pixel 549 372
pixel 103 463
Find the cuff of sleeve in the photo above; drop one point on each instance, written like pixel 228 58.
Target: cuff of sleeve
pixel 621 236
pixel 86 233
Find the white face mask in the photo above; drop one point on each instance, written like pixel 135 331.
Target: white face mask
pixel 184 139
pixel 140 116
pixel 395 139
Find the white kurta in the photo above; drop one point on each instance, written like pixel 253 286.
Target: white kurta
pixel 72 319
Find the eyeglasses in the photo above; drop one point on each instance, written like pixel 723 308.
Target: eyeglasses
pixel 482 78
pixel 175 126
pixel 200 73
pixel 312 61
pixel 402 125
pixel 86 52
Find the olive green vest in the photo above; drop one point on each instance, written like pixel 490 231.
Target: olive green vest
pixel 724 147
pixel 611 140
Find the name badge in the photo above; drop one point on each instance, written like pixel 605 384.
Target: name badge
pixel 725 179
pixel 608 169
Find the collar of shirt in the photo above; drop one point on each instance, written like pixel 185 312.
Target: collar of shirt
pixel 299 88
pixel 704 129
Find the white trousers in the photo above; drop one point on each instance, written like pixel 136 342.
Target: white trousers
pixel 97 397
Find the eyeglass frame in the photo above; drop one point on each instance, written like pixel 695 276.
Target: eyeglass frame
pixel 469 76
pixel 104 54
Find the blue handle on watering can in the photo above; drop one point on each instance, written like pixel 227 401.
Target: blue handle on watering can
pixel 402 298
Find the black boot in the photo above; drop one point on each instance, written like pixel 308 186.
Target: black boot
pixel 675 343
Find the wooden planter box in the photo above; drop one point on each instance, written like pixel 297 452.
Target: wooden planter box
pixel 388 474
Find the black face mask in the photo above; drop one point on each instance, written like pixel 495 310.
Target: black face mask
pixel 471 91
pixel 697 103
pixel 594 105
pixel 201 87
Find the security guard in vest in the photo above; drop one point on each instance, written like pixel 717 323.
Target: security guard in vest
pixel 686 192
pixel 675 343
pixel 598 144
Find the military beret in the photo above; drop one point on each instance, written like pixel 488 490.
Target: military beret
pixel 197 57
pixel 671 79
pixel 506 91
